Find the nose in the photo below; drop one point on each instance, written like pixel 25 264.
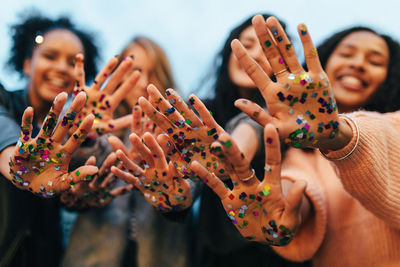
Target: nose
pixel 62 65
pixel 358 61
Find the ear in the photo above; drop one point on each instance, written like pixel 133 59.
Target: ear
pixel 27 67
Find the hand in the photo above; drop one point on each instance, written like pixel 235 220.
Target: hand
pixel 141 124
pixel 99 191
pixel 258 210
pixel 191 136
pixel 102 102
pixel 160 183
pixel 300 104
pixel 40 164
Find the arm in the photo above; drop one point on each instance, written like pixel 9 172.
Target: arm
pixel 5 156
pixel 371 172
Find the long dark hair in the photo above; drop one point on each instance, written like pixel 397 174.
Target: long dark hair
pixel 387 97
pixel 225 91
pixel 23 36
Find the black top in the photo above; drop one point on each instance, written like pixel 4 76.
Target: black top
pixel 30 233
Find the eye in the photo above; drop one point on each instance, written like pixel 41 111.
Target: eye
pixel 345 54
pixel 71 62
pixel 49 56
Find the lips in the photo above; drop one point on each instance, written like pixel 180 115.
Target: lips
pixel 59 84
pixel 352 82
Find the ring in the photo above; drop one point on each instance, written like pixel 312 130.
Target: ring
pixel 248 178
pixel 281 71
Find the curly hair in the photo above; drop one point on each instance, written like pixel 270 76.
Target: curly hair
pixel 387 97
pixel 23 40
pixel 225 91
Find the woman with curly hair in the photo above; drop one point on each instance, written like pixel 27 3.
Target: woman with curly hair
pixel 43 52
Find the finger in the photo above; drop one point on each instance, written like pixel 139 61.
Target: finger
pixel 188 114
pixel 254 111
pixel 259 77
pixel 310 53
pixel 104 73
pixel 142 149
pixel 295 195
pixel 91 161
pixel 116 144
pixel 158 118
pixel 123 89
pixel 108 162
pixel 137 124
pixel 79 135
pixel 231 151
pixel 124 176
pixel 128 164
pixel 122 190
pixel 157 153
pixel 26 125
pixel 83 173
pixel 162 105
pixel 108 181
pixel 50 121
pixel 79 71
pixel 168 147
pixel 118 74
pixel 210 180
pixel 284 45
pixel 68 120
pixel 269 46
pixel 118 124
pixel 204 113
pixel 272 156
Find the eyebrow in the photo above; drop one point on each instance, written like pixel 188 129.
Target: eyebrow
pixel 373 51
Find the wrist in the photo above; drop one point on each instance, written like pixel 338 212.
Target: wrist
pixel 342 138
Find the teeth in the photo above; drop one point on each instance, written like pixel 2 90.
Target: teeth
pixel 351 80
pixel 57 82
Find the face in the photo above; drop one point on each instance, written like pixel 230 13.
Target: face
pixel 356 68
pixel 250 42
pixel 143 62
pixel 51 67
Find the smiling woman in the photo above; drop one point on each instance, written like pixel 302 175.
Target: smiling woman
pixel 43 52
pixel 362 66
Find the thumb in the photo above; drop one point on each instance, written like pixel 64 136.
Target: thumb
pixel 295 195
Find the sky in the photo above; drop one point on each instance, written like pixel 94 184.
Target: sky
pixel 192 32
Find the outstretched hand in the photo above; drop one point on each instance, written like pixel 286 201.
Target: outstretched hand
pixel 300 104
pixel 101 102
pixel 258 209
pixel 191 136
pixel 160 183
pixel 97 192
pixel 40 164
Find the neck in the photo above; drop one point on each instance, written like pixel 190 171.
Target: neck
pixel 40 107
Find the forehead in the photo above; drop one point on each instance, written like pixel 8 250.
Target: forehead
pixel 248 33
pixel 365 40
pixel 61 39
pixel 141 55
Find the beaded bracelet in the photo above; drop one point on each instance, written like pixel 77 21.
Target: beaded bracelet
pixel 355 146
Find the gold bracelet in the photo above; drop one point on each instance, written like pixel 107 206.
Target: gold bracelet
pixel 355 146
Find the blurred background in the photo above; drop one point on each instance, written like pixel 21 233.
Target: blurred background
pixel 192 32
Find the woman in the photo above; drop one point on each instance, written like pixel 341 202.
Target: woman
pixel 215 240
pixel 43 51
pixel 129 232
pixel 329 211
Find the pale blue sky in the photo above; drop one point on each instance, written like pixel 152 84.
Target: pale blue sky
pixel 192 32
